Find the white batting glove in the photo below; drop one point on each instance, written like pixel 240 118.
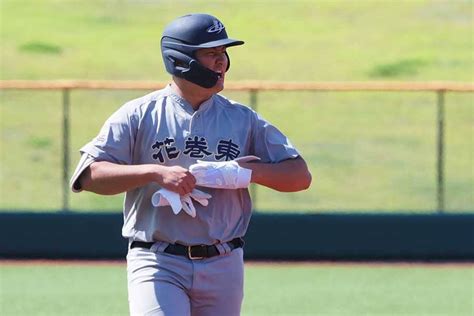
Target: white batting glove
pixel 222 174
pixel 187 202
pixel 201 197
pixel 187 205
pixel 164 197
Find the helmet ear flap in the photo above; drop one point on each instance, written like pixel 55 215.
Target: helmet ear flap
pixel 176 61
pixel 183 66
pixel 228 61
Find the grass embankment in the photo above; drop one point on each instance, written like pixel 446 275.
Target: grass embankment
pixel 367 151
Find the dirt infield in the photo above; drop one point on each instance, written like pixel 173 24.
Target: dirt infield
pixel 39 262
pixel 406 264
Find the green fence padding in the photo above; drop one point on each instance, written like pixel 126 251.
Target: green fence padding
pixel 270 236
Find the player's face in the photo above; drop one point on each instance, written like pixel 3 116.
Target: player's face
pixel 216 60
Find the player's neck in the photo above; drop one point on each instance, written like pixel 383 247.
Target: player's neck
pixel 192 93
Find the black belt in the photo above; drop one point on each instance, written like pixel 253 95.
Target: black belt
pixel 191 252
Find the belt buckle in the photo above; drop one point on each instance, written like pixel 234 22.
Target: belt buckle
pixel 190 255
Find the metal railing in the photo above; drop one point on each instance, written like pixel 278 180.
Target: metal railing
pixel 253 87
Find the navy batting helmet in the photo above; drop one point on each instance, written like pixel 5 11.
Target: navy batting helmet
pixel 183 37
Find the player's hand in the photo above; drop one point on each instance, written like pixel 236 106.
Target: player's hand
pixel 177 179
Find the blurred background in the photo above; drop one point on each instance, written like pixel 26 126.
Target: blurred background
pixel 368 151
pixel 375 156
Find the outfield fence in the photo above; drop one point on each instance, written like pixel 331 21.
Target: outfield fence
pixel 253 88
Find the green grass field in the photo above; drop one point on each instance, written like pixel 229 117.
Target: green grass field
pixel 367 151
pixel 289 289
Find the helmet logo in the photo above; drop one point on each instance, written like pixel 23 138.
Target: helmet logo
pixel 217 27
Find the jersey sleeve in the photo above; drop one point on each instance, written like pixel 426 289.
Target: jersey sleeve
pixel 116 139
pixel 269 143
pixel 114 143
pixel 85 161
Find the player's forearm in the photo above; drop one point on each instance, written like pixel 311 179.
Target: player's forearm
pixel 287 176
pixel 108 178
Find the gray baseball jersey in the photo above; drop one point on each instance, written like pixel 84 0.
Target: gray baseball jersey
pixel 162 128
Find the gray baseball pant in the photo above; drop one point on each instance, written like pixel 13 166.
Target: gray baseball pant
pixel 162 284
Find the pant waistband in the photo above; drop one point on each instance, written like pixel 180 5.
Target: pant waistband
pixel 191 252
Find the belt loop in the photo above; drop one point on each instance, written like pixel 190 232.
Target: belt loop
pixel 227 247
pixel 159 246
pixel 221 249
pixel 224 248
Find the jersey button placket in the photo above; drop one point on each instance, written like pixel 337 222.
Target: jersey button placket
pixel 196 125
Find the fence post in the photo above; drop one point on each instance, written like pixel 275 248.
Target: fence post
pixel 440 150
pixel 253 105
pixel 65 171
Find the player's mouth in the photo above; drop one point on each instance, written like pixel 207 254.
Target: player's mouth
pixel 220 74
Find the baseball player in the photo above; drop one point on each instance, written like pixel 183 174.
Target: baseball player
pixel 186 147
